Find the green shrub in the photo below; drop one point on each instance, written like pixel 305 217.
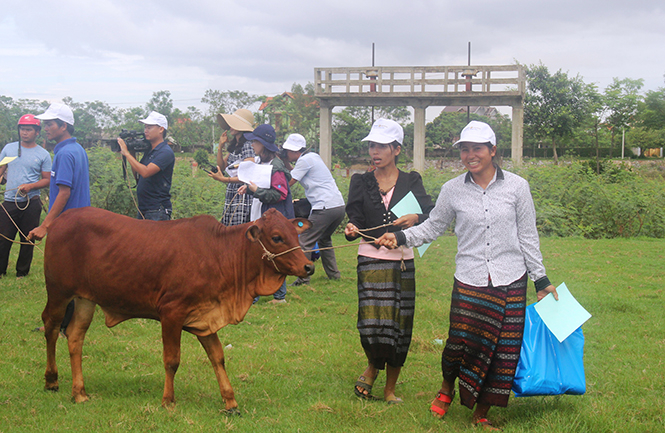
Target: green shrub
pixel 570 200
pixel 575 201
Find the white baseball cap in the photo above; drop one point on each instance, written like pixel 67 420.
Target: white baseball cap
pixel 58 111
pixel 154 118
pixel 477 132
pixel 385 131
pixel 294 142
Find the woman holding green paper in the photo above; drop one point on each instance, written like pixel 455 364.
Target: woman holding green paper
pixel 386 278
pixel 497 248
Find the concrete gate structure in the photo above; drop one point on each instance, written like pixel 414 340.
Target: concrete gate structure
pixel 420 87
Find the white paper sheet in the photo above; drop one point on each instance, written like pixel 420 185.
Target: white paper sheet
pixel 249 171
pixel 564 316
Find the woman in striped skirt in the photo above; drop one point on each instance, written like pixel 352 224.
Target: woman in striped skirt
pixel 386 278
pixel 497 248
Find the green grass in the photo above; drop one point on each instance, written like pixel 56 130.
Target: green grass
pixel 293 366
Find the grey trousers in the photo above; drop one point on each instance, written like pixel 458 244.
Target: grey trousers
pixel 324 223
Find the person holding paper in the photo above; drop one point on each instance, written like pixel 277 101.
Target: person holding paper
pixel 278 194
pixel 497 248
pixel 236 206
pixel 27 173
pixel 386 278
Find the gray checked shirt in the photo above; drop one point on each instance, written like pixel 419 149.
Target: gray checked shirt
pixel 495 228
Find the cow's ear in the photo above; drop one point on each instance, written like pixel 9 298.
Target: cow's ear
pixel 301 224
pixel 253 233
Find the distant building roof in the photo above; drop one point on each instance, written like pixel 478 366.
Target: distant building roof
pixel 489 112
pixel 285 95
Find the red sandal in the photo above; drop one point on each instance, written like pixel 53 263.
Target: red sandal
pixel 440 412
pixel 486 425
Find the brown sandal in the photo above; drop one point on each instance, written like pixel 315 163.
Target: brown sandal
pixel 363 388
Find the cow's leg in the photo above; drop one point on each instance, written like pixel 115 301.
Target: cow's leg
pixel 171 334
pixel 52 317
pixel 76 330
pixel 215 353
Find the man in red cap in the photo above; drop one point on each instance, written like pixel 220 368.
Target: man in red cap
pixel 26 168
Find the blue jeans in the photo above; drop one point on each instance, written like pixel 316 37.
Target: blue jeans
pixel 160 214
pixel 279 294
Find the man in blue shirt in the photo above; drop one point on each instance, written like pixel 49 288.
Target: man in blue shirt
pixel 70 181
pixel 155 170
pixel 25 175
pixel 70 177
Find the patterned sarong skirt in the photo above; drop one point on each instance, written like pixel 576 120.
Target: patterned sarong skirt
pixel 484 341
pixel 386 304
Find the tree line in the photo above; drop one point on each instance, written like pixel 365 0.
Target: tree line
pixel 562 115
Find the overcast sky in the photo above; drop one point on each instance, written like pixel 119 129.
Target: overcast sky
pixel 121 51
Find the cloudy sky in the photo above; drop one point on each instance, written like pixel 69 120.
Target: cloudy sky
pixel 121 51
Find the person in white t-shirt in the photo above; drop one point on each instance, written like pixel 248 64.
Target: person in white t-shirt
pixel 327 202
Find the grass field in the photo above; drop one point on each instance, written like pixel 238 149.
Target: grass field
pixel 293 365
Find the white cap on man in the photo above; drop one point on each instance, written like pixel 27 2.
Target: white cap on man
pixel 154 118
pixel 385 131
pixel 294 142
pixel 58 111
pixel 477 132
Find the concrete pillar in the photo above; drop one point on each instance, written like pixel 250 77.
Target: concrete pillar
pixel 517 144
pixel 419 138
pixel 325 131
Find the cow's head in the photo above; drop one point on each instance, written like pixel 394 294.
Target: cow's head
pixel 279 238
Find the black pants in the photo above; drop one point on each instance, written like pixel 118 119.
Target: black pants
pixel 26 220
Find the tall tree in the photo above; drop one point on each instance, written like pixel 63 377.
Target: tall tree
pixel 622 99
pixel 652 111
pixel 161 102
pixel 554 105
pixel 227 101
pixel 296 111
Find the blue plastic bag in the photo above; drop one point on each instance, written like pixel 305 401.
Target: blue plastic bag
pixel 547 367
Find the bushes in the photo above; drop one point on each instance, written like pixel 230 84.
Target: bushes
pixel 570 200
pixel 190 195
pixel 574 201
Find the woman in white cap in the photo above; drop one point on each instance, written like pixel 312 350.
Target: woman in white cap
pixel 386 278
pixel 497 247
pixel 237 207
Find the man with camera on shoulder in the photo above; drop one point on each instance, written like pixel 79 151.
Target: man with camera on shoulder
pixel 154 171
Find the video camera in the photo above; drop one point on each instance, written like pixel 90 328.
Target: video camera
pixel 135 141
pixel 210 167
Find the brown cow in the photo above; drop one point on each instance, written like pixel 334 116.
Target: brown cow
pixel 191 274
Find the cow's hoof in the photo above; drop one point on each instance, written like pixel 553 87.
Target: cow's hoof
pixel 168 404
pixel 80 398
pixel 53 387
pixel 234 411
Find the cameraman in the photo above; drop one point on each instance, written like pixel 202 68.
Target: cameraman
pixel 155 170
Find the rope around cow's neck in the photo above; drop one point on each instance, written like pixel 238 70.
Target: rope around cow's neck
pixel 271 256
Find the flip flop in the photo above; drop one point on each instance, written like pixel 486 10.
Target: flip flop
pixel 394 400
pixel 365 391
pixel 440 412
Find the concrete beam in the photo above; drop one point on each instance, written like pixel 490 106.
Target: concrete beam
pixel 325 133
pixel 517 145
pixel 419 138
